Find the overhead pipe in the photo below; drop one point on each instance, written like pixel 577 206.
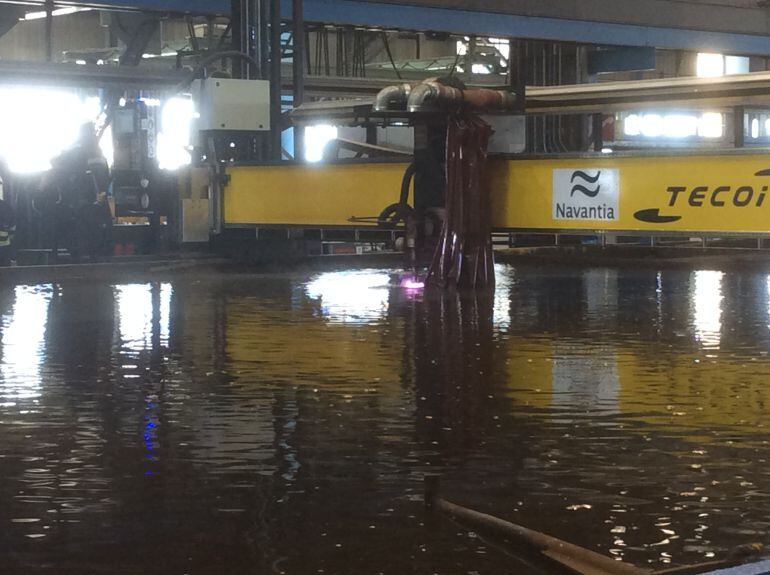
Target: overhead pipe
pixel 486 99
pixel 432 94
pixel 392 98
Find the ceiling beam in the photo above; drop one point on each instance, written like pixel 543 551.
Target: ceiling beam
pixel 710 31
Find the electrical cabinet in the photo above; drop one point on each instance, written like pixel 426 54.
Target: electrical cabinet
pixel 232 105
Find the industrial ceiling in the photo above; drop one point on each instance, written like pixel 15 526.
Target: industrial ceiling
pixel 737 26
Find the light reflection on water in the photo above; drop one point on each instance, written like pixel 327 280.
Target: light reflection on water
pixel 138 308
pixel 135 315
pixel 166 291
pixel 624 410
pixel 504 279
pixel 22 338
pixel 707 307
pixel 363 296
pixel 351 297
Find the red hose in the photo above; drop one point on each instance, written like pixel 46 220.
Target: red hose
pixel 464 257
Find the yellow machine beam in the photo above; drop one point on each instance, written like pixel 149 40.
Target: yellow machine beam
pixel 315 195
pixel 721 193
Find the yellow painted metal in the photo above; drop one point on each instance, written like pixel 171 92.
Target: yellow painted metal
pixel 338 348
pixel 329 339
pixel 723 390
pixel 522 193
pixel 727 390
pixel 314 195
pixel 716 193
pixel 624 378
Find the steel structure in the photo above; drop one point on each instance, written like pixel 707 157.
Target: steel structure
pixel 706 193
pixel 493 19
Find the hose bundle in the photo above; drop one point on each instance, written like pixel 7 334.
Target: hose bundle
pixel 464 257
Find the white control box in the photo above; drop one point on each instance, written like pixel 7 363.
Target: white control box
pixel 226 104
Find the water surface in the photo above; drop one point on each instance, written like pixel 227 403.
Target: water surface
pixel 284 423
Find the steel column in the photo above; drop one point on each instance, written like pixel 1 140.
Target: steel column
pixel 263 38
pixel 49 30
pixel 517 72
pixel 596 132
pixel 276 121
pixel 237 20
pixel 298 72
pixel 739 126
pixel 248 26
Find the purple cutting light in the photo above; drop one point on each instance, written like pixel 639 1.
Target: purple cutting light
pixel 412 283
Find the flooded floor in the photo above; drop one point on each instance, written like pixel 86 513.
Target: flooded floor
pixel 283 424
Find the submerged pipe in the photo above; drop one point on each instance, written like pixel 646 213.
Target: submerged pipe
pixel 577 559
pixel 392 98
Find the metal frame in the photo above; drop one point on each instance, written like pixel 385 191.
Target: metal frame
pixel 410 17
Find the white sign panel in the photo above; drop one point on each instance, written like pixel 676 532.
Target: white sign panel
pixel 586 194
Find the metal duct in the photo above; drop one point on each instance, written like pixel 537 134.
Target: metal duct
pixel 431 95
pixel 486 99
pixel 392 98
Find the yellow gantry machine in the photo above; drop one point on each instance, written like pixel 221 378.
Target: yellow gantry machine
pixel 691 190
pixel 720 193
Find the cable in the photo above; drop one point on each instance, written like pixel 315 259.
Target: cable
pixel 213 58
pixel 390 54
pixel 454 66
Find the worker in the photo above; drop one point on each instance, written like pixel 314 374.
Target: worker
pixel 82 176
pixel 97 219
pixel 7 230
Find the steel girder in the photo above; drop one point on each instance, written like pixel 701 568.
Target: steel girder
pixel 486 23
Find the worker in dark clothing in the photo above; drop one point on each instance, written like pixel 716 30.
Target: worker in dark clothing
pixel 82 176
pixel 97 219
pixel 7 230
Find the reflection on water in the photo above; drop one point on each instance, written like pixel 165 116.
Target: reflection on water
pixel 501 314
pixel 139 305
pixel 135 315
pixel 283 424
pixel 707 307
pixel 588 380
pixel 355 297
pixel 23 331
pixel 165 312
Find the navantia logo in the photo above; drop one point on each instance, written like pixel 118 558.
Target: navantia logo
pixel 583 178
pixel 705 196
pixel 586 194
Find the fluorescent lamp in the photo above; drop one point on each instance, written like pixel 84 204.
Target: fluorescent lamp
pixel 711 125
pixel 710 65
pixel 58 12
